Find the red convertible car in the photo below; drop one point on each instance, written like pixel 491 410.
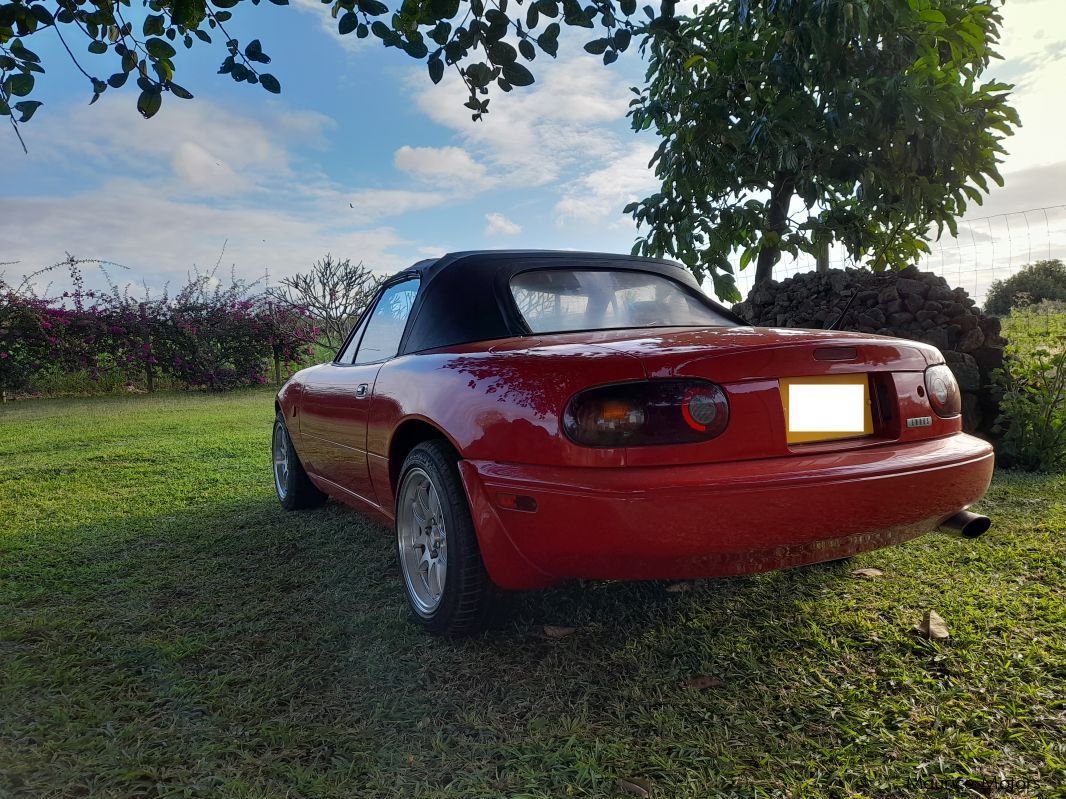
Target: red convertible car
pixel 525 418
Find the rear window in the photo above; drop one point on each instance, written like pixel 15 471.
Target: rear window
pixel 561 300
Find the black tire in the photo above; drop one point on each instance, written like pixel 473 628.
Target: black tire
pixel 467 596
pixel 294 488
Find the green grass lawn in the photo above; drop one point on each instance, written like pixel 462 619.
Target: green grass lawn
pixel 166 629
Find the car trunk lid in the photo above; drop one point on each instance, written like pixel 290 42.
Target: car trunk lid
pixel 754 366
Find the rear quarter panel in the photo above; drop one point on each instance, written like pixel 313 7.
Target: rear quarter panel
pixel 500 403
pixel 288 402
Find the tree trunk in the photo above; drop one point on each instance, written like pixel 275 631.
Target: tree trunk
pixel 822 262
pixel 777 221
pixel 277 369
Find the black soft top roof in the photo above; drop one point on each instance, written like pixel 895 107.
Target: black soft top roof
pixel 465 296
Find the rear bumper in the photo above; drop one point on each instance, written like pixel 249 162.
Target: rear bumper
pixel 718 519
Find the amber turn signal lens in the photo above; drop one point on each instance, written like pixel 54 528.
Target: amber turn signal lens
pixel 517 502
pixel 943 390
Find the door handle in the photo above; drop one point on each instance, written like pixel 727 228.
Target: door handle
pixel 362 390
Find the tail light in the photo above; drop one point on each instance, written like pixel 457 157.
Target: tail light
pixel 943 391
pixel 646 413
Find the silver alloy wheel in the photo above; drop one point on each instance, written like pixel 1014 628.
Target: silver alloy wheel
pixel 422 540
pixel 281 461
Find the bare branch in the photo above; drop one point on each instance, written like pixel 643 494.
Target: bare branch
pixel 333 292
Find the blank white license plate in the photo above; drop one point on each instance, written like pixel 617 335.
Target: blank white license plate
pixel 827 407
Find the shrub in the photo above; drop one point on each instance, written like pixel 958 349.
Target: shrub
pixel 25 333
pixel 210 335
pixel 1041 326
pixel 1033 408
pixel 1043 280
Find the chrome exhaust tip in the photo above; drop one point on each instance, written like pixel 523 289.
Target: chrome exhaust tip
pixel 965 525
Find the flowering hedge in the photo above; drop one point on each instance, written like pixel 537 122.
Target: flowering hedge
pixel 203 337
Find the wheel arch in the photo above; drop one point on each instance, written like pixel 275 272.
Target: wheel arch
pixel 506 566
pixel 409 434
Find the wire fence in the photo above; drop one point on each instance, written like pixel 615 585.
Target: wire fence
pixel 986 249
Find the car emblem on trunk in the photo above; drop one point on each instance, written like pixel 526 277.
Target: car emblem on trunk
pixel 920 421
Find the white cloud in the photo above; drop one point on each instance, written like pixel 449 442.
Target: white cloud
pixel 377 203
pixel 448 165
pixel 328 25
pixel 161 197
pixel 199 145
pixel 201 169
pixel 598 197
pixel 540 134
pixel 500 225
pixel 1039 73
pixel 432 250
pixel 161 239
pixel 1024 189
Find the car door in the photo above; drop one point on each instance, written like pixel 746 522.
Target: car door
pixel 336 398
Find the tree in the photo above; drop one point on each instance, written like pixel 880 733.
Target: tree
pixel 333 293
pixel 789 125
pixel 1043 280
pixel 482 41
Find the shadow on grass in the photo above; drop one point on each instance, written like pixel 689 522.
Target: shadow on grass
pixel 248 649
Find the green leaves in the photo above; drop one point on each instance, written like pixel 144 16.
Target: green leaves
pixel 23 53
pixel 932 15
pixel 517 75
pixel 347 23
pixel 188 13
pixel 179 91
pixel 270 83
pixel 436 69
pixel 879 137
pixel 415 48
pixel 19 85
pixel 159 48
pixel 549 40
pixel 149 102
pixel 480 74
pixel 597 46
pixel 154 25
pixel 26 109
pixel 502 53
pixel 490 40
pixel 254 52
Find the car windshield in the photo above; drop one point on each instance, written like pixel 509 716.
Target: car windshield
pixel 562 300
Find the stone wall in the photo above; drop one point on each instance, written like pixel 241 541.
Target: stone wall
pixel 907 304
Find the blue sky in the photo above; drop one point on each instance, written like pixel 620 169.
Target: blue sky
pixel 363 157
